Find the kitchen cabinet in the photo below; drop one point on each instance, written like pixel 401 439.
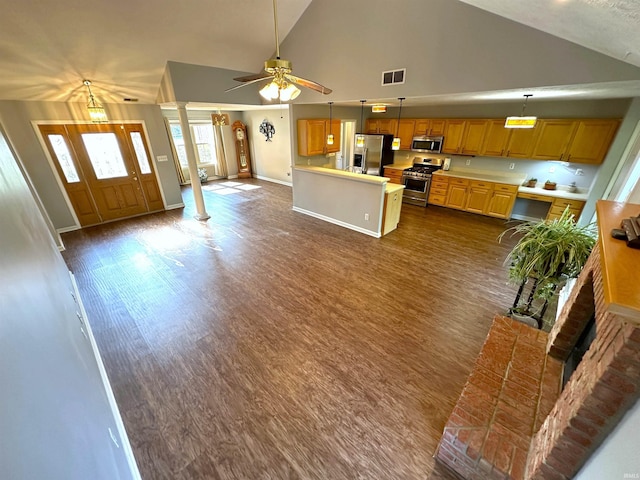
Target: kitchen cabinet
pixel 453 134
pixel 478 196
pixel 502 200
pixel 457 193
pixel 495 139
pixel 405 132
pixel 473 136
pixel 553 139
pixel 391 209
pixel 559 204
pixel 438 190
pixel 592 140
pixel 381 125
pixel 429 126
pixel 312 136
pixel 393 174
pixel 521 141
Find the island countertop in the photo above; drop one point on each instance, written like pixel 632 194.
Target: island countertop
pixel 484 175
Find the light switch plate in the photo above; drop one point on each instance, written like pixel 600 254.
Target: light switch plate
pixel 162 158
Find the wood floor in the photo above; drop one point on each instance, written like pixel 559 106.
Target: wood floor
pixel 266 344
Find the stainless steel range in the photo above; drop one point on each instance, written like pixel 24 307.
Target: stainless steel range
pixel 417 180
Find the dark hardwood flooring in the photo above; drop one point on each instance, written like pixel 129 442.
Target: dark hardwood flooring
pixel 266 344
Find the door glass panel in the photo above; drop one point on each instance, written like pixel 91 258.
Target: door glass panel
pixel 104 154
pixel 64 158
pixel 141 153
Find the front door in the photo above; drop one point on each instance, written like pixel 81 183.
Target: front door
pixel 105 170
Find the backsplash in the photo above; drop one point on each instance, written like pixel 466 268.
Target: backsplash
pixel 563 174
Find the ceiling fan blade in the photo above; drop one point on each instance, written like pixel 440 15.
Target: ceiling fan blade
pixel 249 82
pixel 255 76
pixel 309 84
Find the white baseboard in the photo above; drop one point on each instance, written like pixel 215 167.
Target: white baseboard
pixel 371 233
pixel 281 182
pixel 174 206
pixel 119 424
pixel 68 229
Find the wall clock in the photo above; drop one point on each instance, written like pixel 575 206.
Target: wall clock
pixel 242 149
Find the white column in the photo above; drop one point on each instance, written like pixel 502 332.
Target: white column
pixel 191 160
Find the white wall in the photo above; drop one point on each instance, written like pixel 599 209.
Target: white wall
pixel 619 456
pixel 55 415
pixel 271 160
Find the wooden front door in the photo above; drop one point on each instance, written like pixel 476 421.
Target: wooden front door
pixel 106 170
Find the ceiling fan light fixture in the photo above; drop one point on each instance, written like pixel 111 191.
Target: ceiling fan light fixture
pixel 521 121
pixel 270 91
pixel 290 92
pixel 97 113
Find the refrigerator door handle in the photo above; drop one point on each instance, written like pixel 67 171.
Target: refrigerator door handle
pixel 364 160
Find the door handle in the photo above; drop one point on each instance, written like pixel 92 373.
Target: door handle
pixel 135 178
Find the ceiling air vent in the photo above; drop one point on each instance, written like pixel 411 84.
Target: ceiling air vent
pixel 393 77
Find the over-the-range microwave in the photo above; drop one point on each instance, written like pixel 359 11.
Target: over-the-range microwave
pixel 427 144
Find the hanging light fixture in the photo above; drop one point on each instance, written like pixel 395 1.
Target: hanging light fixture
pixel 330 136
pixel 360 136
pixel 96 111
pixel 378 108
pixel 521 121
pixel 395 145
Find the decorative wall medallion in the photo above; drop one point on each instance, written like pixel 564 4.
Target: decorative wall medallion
pixel 268 130
pixel 220 119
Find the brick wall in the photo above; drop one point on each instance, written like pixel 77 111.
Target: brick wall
pixel 511 420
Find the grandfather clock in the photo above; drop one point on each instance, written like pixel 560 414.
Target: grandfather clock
pixel 242 149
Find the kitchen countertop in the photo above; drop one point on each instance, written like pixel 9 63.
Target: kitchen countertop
pixel 560 192
pixel 393 187
pixel 483 175
pixel 398 166
pixel 332 172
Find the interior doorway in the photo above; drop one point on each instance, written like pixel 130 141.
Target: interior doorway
pixel 105 169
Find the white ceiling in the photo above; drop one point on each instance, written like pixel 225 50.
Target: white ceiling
pixel 46 48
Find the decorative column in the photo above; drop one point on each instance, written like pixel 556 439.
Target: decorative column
pixel 191 161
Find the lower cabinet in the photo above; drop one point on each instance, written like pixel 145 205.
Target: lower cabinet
pixel 475 196
pixel 391 210
pixel 393 174
pixel 438 190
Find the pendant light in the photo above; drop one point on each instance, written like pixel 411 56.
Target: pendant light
pixel 521 121
pixel 360 136
pixel 330 136
pixel 395 145
pixel 96 111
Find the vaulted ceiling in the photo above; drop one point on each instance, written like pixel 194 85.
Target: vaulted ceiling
pixel 46 48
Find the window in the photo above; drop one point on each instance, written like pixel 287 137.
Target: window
pixel 204 143
pixel 141 153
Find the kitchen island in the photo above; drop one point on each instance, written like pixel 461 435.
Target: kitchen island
pixel 365 203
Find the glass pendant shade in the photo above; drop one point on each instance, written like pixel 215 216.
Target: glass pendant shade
pixel 97 113
pixel 289 92
pixel 395 145
pixel 330 139
pixel 272 91
pixel 359 141
pixel 521 121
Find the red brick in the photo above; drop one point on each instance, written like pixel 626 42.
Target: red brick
pixel 617 382
pixel 476 441
pixel 584 427
pixel 614 400
pixel 632 333
pixel 588 415
pixel 561 466
pixel 504 456
pixel 519 464
pixel 578 437
pixel 545 472
pixel 490 446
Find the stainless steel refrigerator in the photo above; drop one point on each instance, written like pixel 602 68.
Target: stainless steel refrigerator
pixel 375 154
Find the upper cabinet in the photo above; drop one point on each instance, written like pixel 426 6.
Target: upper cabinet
pixel 429 126
pixel 312 136
pixel 553 139
pixel 521 141
pixel 381 125
pixel 405 132
pixel 453 133
pixel 496 139
pixel 464 137
pixel 591 140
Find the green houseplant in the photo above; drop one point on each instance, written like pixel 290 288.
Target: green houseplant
pixel 547 252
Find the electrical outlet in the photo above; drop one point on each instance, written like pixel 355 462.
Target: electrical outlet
pixel 468 161
pixel 512 166
pixel 579 171
pixel 552 169
pixel 366 216
pixel 309 161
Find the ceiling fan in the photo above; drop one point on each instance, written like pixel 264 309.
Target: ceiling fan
pixel 279 70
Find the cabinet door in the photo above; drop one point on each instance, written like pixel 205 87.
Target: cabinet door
pixel 453 132
pixel 311 137
pixel 335 130
pixel 478 197
pixel 437 126
pixel 495 139
pixel 387 125
pixel 422 127
pixel 521 142
pixel 405 132
pixel 474 132
pixel 553 139
pixel 456 196
pixel 501 204
pixel 592 141
pixel 371 125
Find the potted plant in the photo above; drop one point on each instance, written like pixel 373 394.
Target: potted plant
pixel 546 254
pixel 549 185
pixel 531 182
pixel 203 175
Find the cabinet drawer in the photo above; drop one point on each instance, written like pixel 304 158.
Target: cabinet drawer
pixel 481 184
pixel 459 181
pixel 564 202
pixel 439 182
pixel 535 196
pixel 503 187
pixel 437 199
pixel 557 210
pixel 438 190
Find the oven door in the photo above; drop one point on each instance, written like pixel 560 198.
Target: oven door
pixel 415 186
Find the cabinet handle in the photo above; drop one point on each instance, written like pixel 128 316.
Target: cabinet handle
pixel 561 155
pixel 568 157
pixel 508 152
pixel 501 152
